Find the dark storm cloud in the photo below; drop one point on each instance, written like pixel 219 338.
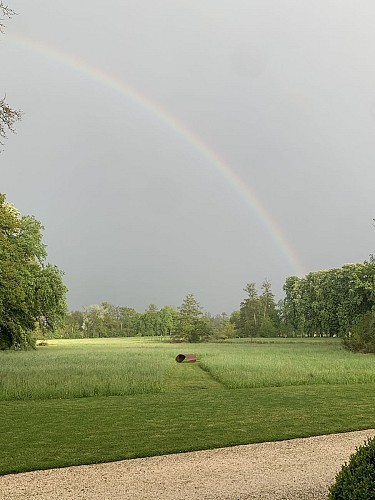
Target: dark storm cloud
pixel 283 91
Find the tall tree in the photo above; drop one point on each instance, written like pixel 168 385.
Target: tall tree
pixel 235 320
pixel 31 290
pixel 191 326
pixel 167 321
pixel 250 312
pixel 222 327
pixel 100 320
pixel 128 319
pixel 292 311
pixel 269 323
pixel 73 325
pixel 150 321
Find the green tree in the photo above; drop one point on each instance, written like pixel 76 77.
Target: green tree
pixel 31 290
pixel 222 327
pixel 128 319
pixel 250 312
pixel 267 328
pixel 167 321
pixel 269 322
pixel 292 310
pixel 73 325
pixel 284 328
pixel 362 336
pixel 8 116
pixel 191 326
pixel 267 301
pixel 150 321
pixel 235 320
pixel 100 320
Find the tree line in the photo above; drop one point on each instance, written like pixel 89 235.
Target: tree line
pixel 336 302
pixel 329 303
pixel 186 323
pixel 257 317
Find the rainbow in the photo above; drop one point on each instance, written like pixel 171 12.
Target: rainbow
pixel 180 129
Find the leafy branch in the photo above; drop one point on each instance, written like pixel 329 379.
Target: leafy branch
pixel 6 12
pixel 8 116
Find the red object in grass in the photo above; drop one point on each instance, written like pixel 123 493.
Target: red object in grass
pixel 188 358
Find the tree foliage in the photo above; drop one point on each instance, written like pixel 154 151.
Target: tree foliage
pixel 103 320
pixel 31 291
pixel 323 303
pixel 258 316
pixel 329 302
pixel 362 336
pixel 191 325
pixel 221 326
pixel 107 320
pixel 187 323
pixel 8 118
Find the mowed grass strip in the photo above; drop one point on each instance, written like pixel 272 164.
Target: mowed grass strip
pixel 190 377
pixel 56 433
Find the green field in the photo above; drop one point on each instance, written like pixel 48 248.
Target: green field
pixel 85 401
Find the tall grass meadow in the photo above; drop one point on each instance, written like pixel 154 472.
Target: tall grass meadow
pixel 78 368
pixel 275 365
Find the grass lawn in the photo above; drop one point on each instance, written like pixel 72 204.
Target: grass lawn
pixel 188 408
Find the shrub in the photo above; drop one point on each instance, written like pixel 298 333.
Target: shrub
pixel 356 480
pixel 362 337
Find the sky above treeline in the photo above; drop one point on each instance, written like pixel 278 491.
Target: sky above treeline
pixel 193 146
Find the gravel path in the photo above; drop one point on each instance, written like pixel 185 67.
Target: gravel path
pixel 298 469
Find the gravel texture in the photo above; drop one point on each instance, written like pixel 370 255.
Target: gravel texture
pixel 298 469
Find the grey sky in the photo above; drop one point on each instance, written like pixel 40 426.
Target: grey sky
pixel 282 91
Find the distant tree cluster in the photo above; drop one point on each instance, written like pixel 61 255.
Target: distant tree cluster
pixel 337 302
pixel 329 303
pixel 187 323
pixel 258 315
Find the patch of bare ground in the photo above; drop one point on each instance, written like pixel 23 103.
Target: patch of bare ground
pixel 298 469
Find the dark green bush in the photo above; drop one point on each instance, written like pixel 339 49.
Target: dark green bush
pixel 362 337
pixel 356 480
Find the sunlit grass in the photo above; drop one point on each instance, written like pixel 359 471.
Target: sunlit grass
pixel 113 367
pixel 75 370
pixel 273 365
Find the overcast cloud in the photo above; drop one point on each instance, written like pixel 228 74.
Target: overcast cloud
pixel 283 91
